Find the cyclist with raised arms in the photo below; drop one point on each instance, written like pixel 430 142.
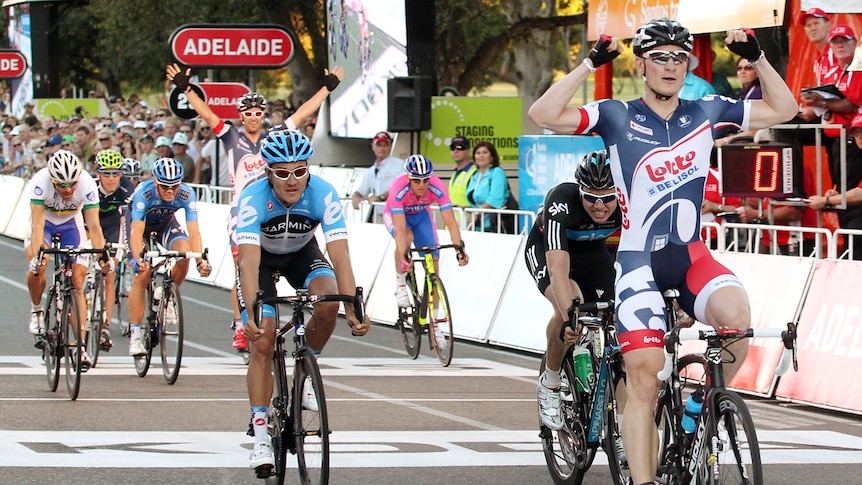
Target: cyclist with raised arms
pixel 245 165
pixel 278 217
pixel 154 206
pixel 659 147
pixel 115 195
pixel 567 256
pixel 408 218
pixel 63 197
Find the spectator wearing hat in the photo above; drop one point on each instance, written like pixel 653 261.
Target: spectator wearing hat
pixel 376 181
pixel 817 28
pixel 464 170
pixel 164 148
pixel 158 130
pixel 180 145
pixel 51 145
pixel 147 155
pixel 693 86
pixel 140 128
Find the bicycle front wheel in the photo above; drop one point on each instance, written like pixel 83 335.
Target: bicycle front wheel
pixel 51 350
pixel 736 455
pixel 73 346
pixel 142 362
pixel 95 316
pixel 310 421
pixel 408 321
pixel 122 284
pixel 171 332
pixel 615 407
pixel 439 314
pixel 280 432
pixel 566 452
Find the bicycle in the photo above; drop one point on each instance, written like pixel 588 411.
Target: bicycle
pixel 589 408
pixel 95 294
pixel 163 322
pixel 294 428
pixel 426 307
pixel 723 446
pixel 122 287
pixel 62 338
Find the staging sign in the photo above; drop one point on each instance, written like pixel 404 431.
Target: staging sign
pixel 12 64
pixel 235 45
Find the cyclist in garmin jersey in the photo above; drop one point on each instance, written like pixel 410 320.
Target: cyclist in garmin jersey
pixel 276 235
pixel 243 148
pixel 62 198
pixel 567 256
pixel 659 147
pixel 153 208
pixel 115 194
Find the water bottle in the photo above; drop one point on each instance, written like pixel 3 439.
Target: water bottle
pixel 692 410
pixel 157 295
pixel 583 368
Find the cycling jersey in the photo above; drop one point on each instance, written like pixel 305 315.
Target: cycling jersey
pixel 113 206
pixel 57 210
pixel 660 169
pixel 564 224
pixel 160 216
pixel 416 210
pixel 264 221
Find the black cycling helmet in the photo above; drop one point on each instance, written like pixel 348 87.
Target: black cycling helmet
pixel 659 32
pixel 594 171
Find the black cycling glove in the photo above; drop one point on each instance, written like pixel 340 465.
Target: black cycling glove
pixel 749 50
pixel 181 81
pixel 331 82
pixel 600 54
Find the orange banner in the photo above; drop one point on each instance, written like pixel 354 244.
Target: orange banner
pixel 620 18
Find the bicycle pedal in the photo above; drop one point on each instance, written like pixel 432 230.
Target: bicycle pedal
pixel 264 471
pixel 39 344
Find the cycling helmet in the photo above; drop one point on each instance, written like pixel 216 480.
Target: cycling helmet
pixel 109 159
pixel 661 32
pixel 418 167
pixel 131 167
pixel 64 167
pixel 594 171
pixel 168 171
pixel 249 101
pixel 285 146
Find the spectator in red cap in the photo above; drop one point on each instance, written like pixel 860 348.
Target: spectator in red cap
pixel 376 181
pixel 842 42
pixel 850 218
pixel 817 28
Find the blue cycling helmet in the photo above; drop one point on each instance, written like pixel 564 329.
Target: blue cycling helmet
pixel 286 146
pixel 131 167
pixel 168 171
pixel 418 167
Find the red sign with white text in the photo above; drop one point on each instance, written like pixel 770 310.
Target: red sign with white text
pixel 12 64
pixel 245 46
pixel 222 98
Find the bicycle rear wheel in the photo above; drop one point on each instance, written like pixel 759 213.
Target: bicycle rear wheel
pixel 310 427
pixel 566 452
pixel 73 346
pixel 53 337
pixel 440 318
pixel 408 320
pixel 171 332
pixel 95 316
pixel 737 453
pixel 142 362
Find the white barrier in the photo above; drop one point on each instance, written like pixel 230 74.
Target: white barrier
pixel 10 193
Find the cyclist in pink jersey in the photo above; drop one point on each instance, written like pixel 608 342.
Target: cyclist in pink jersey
pixel 408 218
pixel 243 149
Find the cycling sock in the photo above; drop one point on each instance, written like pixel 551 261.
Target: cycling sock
pixel 35 308
pixel 551 378
pixel 237 324
pixel 134 330
pixel 401 278
pixel 259 423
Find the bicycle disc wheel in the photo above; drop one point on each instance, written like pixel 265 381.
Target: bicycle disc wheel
pixel 96 317
pixel 441 330
pixel 310 427
pixel 566 452
pixel 280 432
pixel 612 440
pixel 142 362
pixel 737 453
pixel 53 335
pixel 408 321
pixel 171 332
pixel 74 344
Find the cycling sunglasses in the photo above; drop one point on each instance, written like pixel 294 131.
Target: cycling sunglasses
pixel 175 186
pixel 110 173
pixel 595 199
pixel 65 185
pixel 663 57
pixel 284 174
pixel 255 114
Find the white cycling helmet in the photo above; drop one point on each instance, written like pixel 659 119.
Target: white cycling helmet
pixel 64 167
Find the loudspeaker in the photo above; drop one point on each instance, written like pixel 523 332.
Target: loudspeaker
pixel 409 101
pixel 420 15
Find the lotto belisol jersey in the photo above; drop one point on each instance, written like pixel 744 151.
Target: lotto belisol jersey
pixel 57 210
pixel 660 166
pixel 264 221
pixel 147 206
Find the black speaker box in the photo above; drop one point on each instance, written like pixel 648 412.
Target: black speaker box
pixel 409 103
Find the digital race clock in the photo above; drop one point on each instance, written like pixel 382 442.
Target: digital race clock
pixel 766 170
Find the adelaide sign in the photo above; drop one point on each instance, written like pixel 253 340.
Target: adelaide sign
pixel 12 64
pixel 234 45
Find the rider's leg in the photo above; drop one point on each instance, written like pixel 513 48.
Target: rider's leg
pixel 640 434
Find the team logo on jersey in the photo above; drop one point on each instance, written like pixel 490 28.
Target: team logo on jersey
pixel 91 196
pixel 269 205
pixel 684 121
pixel 183 195
pixel 275 225
pixel 558 207
pixel 640 118
pixel 247 213
pixel 38 191
pixel 140 206
pixel 252 164
pixel 640 129
pixel 632 137
pixel 681 164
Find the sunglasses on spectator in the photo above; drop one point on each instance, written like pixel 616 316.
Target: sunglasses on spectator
pixel 175 186
pixel 65 145
pixel 284 174
pixel 104 139
pixel 65 185
pixel 160 115
pixel 661 57
pixel 110 173
pixel 745 68
pixel 205 128
pixel 186 131
pixel 252 114
pixel 456 147
pixel 595 198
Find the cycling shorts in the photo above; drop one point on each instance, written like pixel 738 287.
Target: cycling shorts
pixel 72 233
pixel 167 233
pixel 423 227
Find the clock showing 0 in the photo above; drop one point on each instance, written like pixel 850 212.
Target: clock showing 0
pixel 765 170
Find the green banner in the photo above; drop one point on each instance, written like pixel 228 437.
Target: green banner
pixel 63 108
pixel 497 120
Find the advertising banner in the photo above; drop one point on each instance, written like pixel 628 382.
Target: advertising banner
pixel 63 108
pixel 546 160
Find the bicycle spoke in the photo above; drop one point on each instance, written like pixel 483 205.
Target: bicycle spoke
pixel 73 346
pixel 408 321
pixel 171 332
pixel 736 452
pixel 310 425
pixel 441 330
pixel 53 333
